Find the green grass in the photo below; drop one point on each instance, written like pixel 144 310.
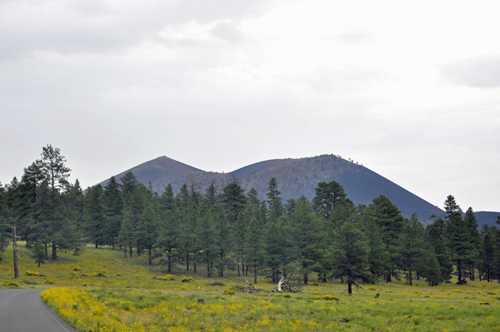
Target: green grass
pixel 135 301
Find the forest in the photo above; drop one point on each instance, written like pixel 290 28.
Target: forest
pixel 216 230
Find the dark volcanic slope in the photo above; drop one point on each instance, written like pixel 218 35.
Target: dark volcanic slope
pixel 263 165
pixel 487 218
pixel 160 171
pixel 296 177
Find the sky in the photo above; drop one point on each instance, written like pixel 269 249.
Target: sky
pixel 410 90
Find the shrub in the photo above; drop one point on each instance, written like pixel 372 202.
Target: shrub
pixel 168 277
pixel 228 292
pixel 33 274
pixel 126 305
pixel 29 282
pixel 12 284
pixel 330 298
pixel 187 279
pixel 76 268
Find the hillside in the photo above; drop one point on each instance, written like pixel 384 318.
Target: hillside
pixel 296 177
pixel 160 171
pixel 486 218
pixel 300 177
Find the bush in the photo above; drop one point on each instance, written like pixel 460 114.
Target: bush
pixel 126 305
pixel 228 292
pixel 330 298
pixel 187 279
pixel 29 282
pixel 168 277
pixel 33 274
pixel 12 284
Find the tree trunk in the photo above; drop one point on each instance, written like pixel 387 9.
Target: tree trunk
pixel 125 251
pixel 96 246
pixel 349 286
pixel 306 277
pixel 130 252
pixel 149 257
pixel 459 270
pixel 46 252
pixel 54 250
pixel 255 274
pixel 169 262
pixel 221 273
pixel 280 283
pixel 187 262
pixel 208 266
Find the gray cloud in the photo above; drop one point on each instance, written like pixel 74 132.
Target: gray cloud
pixel 228 31
pixel 347 78
pixel 355 37
pixel 481 72
pixel 93 27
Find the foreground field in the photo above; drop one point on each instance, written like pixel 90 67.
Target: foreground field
pixel 109 293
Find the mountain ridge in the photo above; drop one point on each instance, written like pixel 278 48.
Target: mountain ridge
pixel 296 177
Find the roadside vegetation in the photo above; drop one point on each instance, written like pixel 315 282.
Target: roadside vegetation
pixel 130 295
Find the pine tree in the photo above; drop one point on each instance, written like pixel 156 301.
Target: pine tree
pixel 233 200
pixel 475 238
pixel 206 239
pixel 146 231
pixel 459 243
pixel 167 200
pixel 435 237
pixel 431 268
pixel 239 238
pixel 38 253
pixel 113 207
pixel 327 196
pixel 379 261
pixel 349 253
pixel 167 242
pixel 224 241
pixel 95 215
pixel 272 191
pixel 307 233
pixel 126 234
pixel 390 221
pixel 255 250
pixel 56 173
pixel 253 198
pixel 411 246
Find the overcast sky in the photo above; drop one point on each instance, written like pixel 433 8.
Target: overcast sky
pixel 410 90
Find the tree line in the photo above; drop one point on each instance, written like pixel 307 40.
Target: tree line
pixel 225 229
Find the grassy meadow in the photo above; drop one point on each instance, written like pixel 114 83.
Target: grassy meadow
pixel 102 291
